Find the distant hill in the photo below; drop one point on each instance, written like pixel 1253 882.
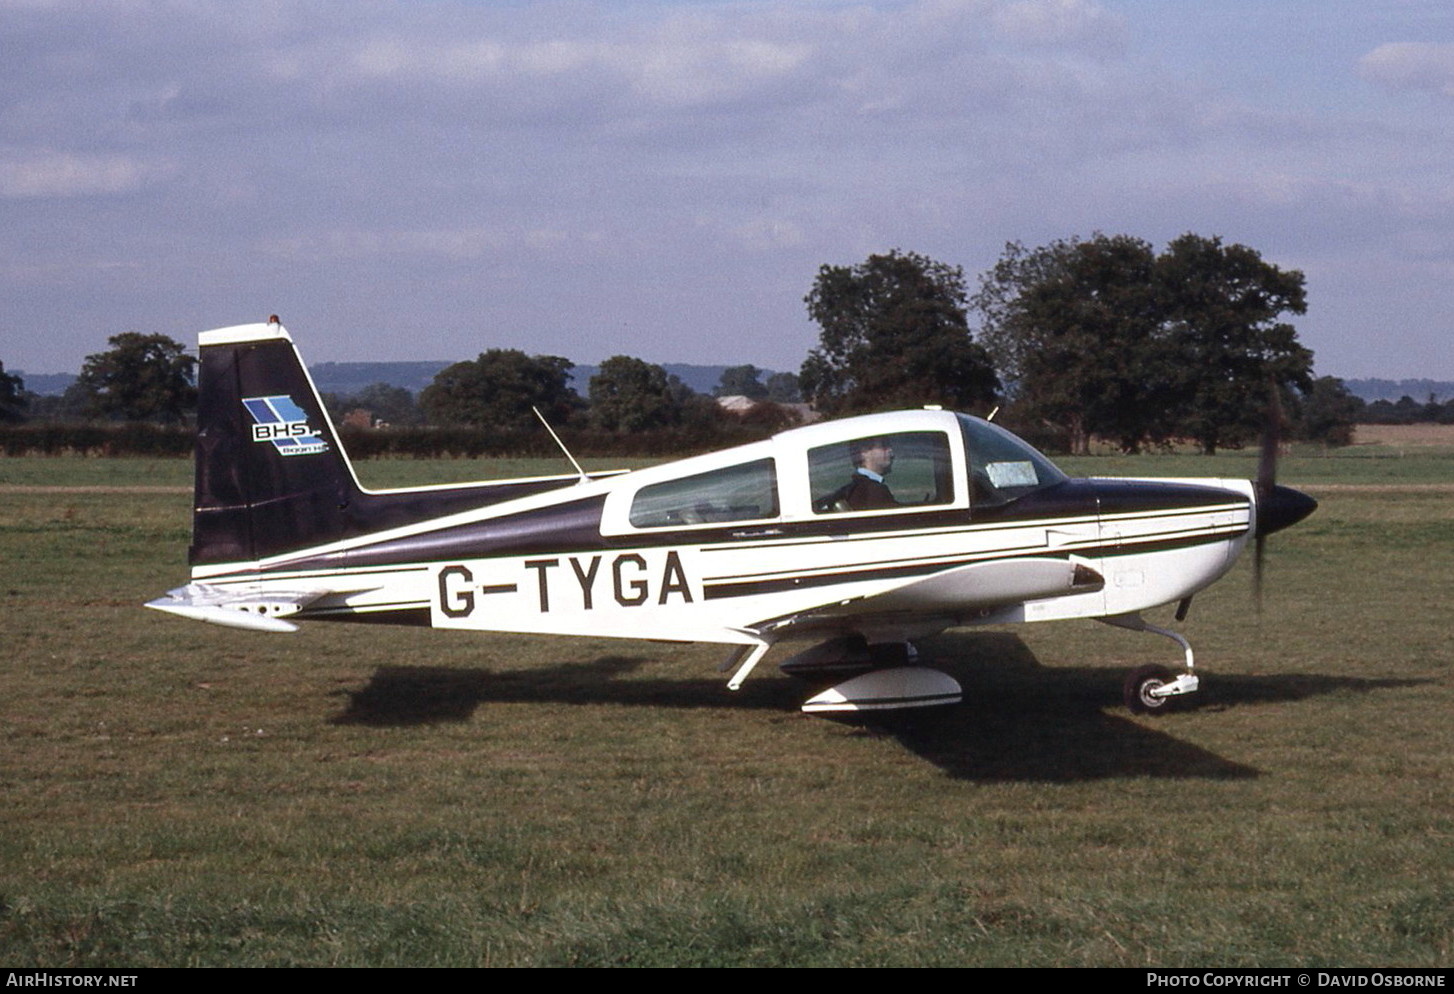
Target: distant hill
pixel 46 384
pixel 351 377
pixel 1393 390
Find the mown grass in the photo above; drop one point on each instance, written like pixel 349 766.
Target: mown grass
pixel 177 794
pixel 1304 465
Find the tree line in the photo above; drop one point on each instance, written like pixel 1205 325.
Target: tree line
pixel 1407 411
pixel 1101 338
pixel 480 407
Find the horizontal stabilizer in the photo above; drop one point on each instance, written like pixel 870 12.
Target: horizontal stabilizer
pixel 255 611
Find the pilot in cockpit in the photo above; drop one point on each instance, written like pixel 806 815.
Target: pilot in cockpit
pixel 873 458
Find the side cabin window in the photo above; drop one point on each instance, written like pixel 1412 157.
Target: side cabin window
pixel 747 492
pixel 904 469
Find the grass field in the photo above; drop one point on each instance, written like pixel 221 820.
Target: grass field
pixel 178 794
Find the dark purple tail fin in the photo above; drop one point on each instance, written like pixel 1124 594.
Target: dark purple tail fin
pixel 271 476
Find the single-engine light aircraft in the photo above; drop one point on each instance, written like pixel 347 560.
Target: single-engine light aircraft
pixel 863 534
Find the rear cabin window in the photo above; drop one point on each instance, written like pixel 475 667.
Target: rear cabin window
pixel 738 493
pixel 903 469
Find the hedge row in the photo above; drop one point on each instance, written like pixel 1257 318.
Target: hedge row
pixel 131 439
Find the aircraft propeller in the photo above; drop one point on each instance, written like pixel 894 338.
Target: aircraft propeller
pixel 1277 507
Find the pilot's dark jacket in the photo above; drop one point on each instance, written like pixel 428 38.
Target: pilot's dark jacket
pixel 864 493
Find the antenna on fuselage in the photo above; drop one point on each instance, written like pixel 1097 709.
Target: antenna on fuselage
pixel 584 477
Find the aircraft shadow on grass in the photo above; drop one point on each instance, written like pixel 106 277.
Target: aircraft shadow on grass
pixel 1019 720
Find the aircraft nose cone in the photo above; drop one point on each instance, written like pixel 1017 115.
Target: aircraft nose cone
pixel 1280 507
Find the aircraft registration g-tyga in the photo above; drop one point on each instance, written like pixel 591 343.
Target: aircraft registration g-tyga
pixel 787 538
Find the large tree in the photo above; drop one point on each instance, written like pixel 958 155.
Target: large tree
pixel 631 395
pixel 384 403
pixel 498 390
pixel 12 396
pixel 894 334
pixel 1222 306
pixel 783 388
pixel 73 404
pixel 1104 338
pixel 1074 326
pixel 741 381
pixel 141 378
pixel 1328 413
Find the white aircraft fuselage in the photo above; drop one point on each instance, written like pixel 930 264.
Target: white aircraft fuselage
pixel 802 534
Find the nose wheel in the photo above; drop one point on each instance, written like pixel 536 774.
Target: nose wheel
pixel 1145 689
pixel 1150 689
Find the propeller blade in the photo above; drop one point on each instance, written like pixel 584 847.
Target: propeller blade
pixel 1271 441
pixel 1277 507
pixel 1257 572
pixel 1266 481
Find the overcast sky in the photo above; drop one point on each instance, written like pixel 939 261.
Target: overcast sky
pixel 663 179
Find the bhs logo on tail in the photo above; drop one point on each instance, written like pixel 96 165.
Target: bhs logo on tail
pixel 281 421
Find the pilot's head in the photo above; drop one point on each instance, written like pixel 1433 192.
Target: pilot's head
pixel 873 454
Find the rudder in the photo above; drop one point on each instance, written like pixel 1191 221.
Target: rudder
pixel 270 473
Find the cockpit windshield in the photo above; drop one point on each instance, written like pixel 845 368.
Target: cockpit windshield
pixel 1002 467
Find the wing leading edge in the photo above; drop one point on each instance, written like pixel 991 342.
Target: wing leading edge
pixel 954 594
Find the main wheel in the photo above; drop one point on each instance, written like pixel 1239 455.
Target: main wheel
pixel 1138 686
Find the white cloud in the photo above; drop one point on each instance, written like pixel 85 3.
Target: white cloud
pixel 1411 66
pixel 682 60
pixel 1074 23
pixel 460 244
pixel 41 173
pixel 836 59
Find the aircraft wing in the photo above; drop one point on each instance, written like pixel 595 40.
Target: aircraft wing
pixel 954 593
